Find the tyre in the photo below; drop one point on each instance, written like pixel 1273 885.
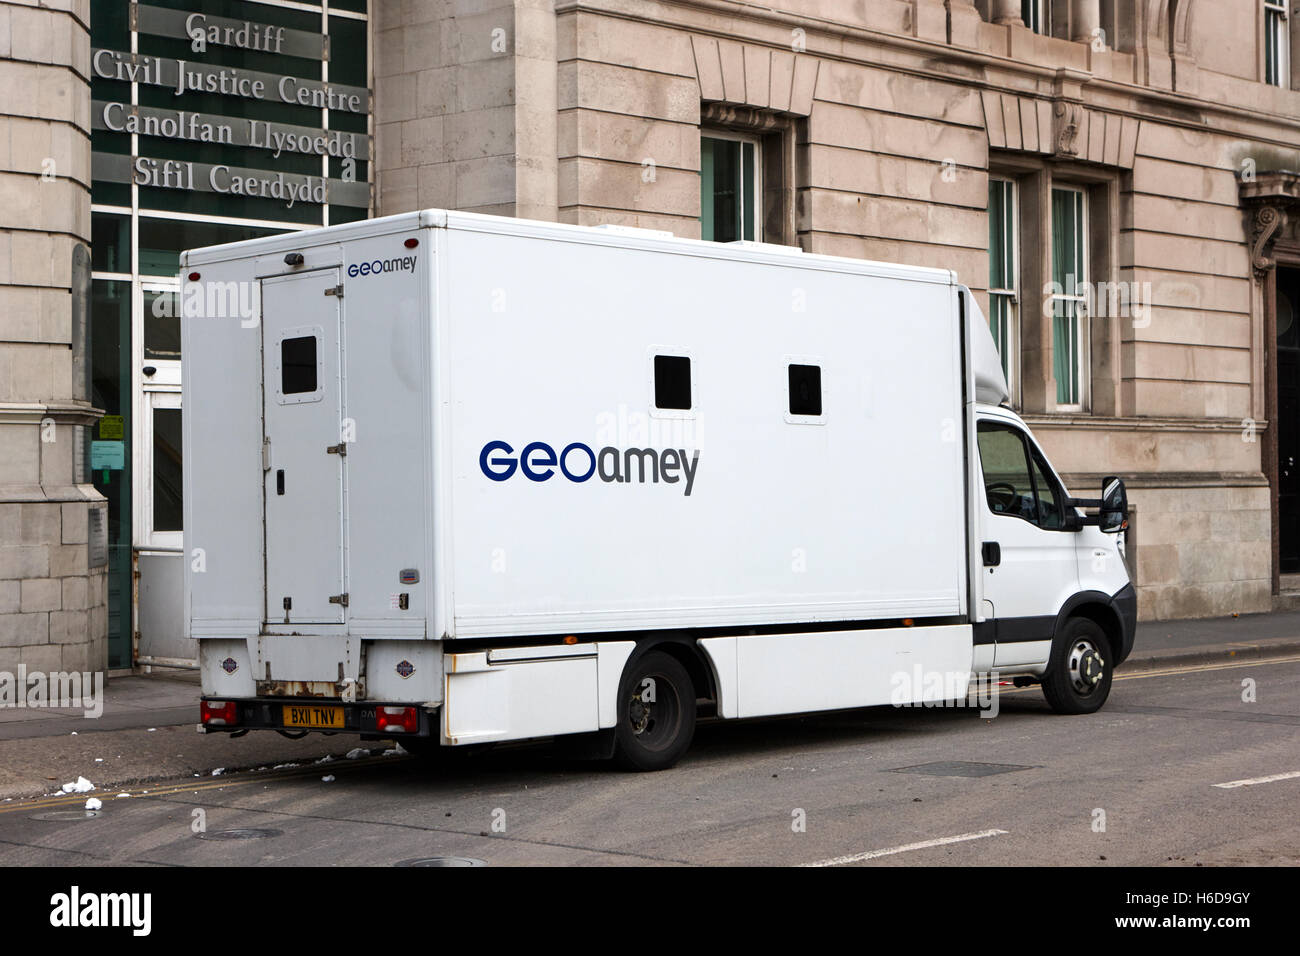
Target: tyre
pixel 656 713
pixel 1078 677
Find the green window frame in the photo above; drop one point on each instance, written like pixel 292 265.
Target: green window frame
pixel 1069 296
pixel 1003 271
pixel 1277 44
pixel 730 191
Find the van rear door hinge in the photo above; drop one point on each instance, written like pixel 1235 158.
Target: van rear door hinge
pixel 340 599
pixel 335 290
pixel 341 449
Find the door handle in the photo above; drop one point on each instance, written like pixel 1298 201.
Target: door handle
pixel 992 552
pixel 279 481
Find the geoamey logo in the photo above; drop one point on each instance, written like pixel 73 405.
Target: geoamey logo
pixel 376 266
pixel 578 462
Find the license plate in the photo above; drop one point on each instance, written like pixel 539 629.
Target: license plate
pixel 306 715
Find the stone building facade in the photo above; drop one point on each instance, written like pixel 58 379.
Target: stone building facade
pixel 1110 177
pixel 1116 179
pixel 52 522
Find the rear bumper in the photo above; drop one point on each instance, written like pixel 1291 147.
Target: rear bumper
pixel 263 713
pixel 1125 604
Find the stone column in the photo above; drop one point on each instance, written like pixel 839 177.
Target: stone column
pixel 52 582
pixel 963 23
pixel 1007 11
pixel 1087 21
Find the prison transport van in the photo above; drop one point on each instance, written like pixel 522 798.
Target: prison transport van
pixel 465 479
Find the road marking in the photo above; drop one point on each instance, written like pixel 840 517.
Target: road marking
pixel 1172 672
pixel 1233 784
pixel 890 851
pixel 1202 668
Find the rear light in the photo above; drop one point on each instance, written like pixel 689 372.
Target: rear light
pixel 219 713
pixel 397 720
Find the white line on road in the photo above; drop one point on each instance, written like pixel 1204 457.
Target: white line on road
pixel 1232 784
pixel 890 851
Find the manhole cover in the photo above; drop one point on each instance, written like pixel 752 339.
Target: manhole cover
pixel 239 834
pixel 442 861
pixel 960 768
pixel 67 816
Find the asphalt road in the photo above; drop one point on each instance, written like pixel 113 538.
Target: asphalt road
pixel 1133 785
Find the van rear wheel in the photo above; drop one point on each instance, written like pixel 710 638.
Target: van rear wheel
pixel 656 713
pixel 1078 677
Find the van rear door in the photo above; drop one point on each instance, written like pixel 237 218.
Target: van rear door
pixel 303 460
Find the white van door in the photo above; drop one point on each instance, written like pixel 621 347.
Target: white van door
pixel 1029 563
pixel 303 459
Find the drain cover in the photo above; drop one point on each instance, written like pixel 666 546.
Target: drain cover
pixel 239 834
pixel 66 815
pixel 960 768
pixel 442 861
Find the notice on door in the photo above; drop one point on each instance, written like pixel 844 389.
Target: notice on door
pixel 112 427
pixel 107 455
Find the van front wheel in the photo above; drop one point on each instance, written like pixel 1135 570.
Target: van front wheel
pixel 656 713
pixel 1078 677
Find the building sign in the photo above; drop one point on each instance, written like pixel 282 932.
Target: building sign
pixel 209 35
pixel 288 188
pixel 97 537
pixel 107 455
pixel 206 30
pixel 112 427
pixel 184 76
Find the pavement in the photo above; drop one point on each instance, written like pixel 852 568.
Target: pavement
pixel 148 729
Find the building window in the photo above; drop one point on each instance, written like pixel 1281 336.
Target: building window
pixel 1036 15
pixel 1069 297
pixel 1277 44
pixel 730 192
pixel 1003 271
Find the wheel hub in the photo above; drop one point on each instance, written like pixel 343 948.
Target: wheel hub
pixel 1087 667
pixel 638 714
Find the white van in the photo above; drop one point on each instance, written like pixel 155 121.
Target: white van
pixel 469 479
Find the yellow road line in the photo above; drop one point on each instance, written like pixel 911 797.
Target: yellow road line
pixel 245 777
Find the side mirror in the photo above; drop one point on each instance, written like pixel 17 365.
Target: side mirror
pixel 1114 505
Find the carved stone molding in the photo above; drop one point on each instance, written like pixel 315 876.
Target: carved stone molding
pixel 1271 200
pixel 1060 128
pixel 1268 222
pixel 746 75
pixel 1068 118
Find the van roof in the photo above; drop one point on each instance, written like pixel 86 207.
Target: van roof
pixel 627 238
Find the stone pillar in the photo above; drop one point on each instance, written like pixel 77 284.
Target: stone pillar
pixel 1007 11
pixel 1087 21
pixel 963 23
pixel 52 585
pixel 930 20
